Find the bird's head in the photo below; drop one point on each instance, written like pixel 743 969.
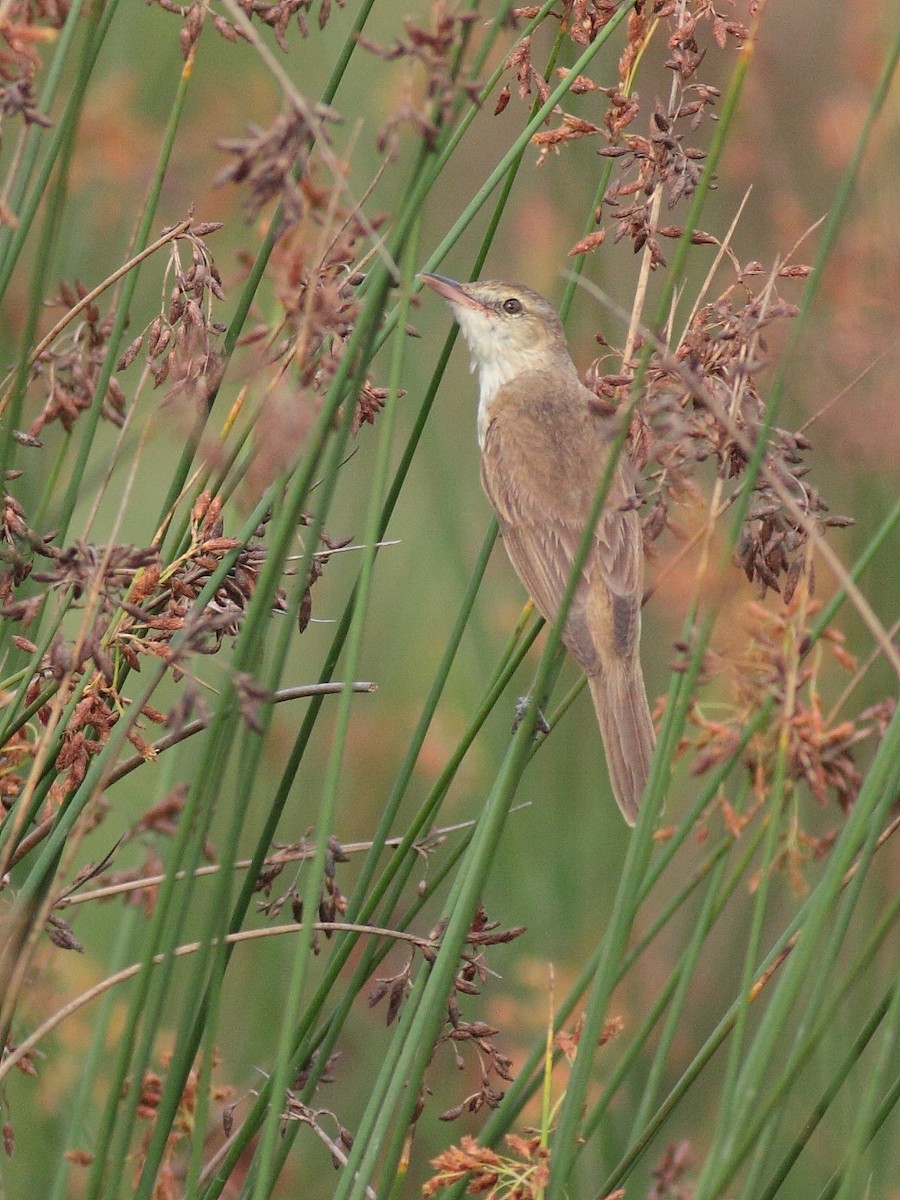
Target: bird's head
pixel 509 328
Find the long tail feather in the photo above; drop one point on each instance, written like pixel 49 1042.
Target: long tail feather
pixel 624 717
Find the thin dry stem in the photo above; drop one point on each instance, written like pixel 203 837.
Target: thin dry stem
pixel 37 835
pixel 281 858
pixel 640 294
pixel 232 939
pixel 170 235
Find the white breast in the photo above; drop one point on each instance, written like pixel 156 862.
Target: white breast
pixel 494 358
pixel 492 376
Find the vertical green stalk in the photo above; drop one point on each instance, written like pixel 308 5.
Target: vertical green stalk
pixel 60 147
pixel 33 135
pixel 90 419
pixel 826 1017
pixel 80 1124
pixel 854 1181
pixel 564 1145
pixel 281 1076
pixel 257 272
pixel 726 1130
pixel 687 966
pixel 62 134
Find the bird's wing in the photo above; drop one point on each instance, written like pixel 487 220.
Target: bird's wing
pixel 542 540
pixel 618 558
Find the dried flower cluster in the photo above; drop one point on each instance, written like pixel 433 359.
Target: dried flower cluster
pixel 137 608
pixel 650 167
pixel 702 403
pixel 296 1110
pixel 524 1173
pixel 584 19
pixel 24 25
pixel 321 246
pixel 318 299
pixel 171 1169
pixel 315 278
pixel 273 164
pixel 821 746
pixel 183 341
pixel 659 161
pixel 493 1065
pixel 332 901
pixel 521 1175
pixel 277 15
pixel 436 51
pixel 668 1176
pixel 68 373
pixel 18 545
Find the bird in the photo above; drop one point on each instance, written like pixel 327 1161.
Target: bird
pixel 545 445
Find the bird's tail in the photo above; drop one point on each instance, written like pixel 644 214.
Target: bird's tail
pixel 623 713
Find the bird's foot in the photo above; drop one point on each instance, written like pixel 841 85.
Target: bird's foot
pixel 521 708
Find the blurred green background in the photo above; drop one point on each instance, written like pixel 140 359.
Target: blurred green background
pixel 557 869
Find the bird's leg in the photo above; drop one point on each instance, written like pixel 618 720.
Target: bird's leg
pixel 521 708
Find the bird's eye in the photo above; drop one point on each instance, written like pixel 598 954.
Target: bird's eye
pixel 512 306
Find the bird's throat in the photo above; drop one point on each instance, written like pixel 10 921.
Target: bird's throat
pixel 493 375
pixel 501 354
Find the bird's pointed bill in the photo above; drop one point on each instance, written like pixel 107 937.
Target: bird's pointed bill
pixel 450 290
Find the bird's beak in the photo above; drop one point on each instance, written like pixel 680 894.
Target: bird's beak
pixel 450 290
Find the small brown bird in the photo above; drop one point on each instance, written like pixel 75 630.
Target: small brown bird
pixel 544 448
